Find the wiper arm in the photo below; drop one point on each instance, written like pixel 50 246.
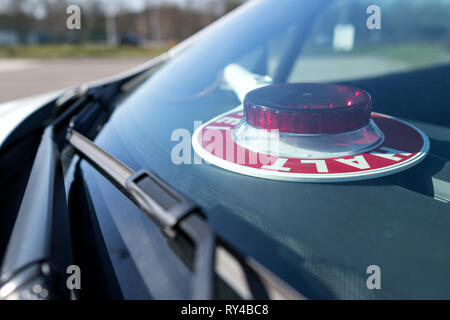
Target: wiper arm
pixel 176 213
pixel 40 248
pixel 167 207
pixel 33 258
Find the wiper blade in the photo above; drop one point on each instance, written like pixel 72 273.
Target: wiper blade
pixel 42 220
pixel 167 207
pixel 176 213
pixel 40 247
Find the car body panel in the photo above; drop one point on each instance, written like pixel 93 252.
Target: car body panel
pixel 13 113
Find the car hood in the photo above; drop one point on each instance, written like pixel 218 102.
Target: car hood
pixel 13 113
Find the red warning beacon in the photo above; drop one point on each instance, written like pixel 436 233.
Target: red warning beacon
pixel 309 132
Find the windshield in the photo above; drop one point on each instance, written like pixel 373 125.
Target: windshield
pixel 402 60
pixel 304 41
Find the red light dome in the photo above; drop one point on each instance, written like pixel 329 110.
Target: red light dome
pixel 307 108
pixel 309 132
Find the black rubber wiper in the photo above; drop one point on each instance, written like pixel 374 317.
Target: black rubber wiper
pixel 40 249
pixel 40 246
pixel 176 213
pixel 168 208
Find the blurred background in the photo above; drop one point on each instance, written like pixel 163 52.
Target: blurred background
pixel 38 53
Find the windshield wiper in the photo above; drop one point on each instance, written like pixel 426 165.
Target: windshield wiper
pixel 32 257
pixel 167 207
pixel 176 213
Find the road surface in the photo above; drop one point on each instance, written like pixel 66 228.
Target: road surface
pixel 20 78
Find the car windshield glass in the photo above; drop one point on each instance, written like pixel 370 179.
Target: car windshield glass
pixel 300 41
pixel 402 60
pixel 312 42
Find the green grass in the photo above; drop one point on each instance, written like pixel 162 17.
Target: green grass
pixel 78 51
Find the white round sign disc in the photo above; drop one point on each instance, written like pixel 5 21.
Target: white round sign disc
pixel 403 147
